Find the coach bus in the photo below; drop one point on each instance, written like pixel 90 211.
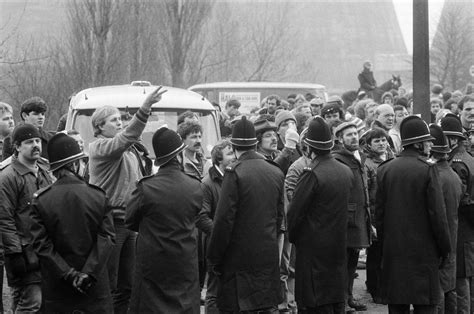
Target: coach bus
pixel 250 94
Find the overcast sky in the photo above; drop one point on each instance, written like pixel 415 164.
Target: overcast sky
pixel 404 9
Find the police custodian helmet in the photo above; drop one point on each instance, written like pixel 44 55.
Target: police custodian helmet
pixel 414 130
pixel 319 135
pixel 440 142
pixel 243 133
pixel 166 145
pixel 452 126
pixel 62 150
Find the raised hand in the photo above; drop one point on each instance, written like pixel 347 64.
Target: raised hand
pixel 153 97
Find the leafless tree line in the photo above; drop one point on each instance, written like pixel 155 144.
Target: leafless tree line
pixel 170 42
pixel 452 51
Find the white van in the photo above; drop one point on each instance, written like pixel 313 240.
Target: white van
pixel 128 98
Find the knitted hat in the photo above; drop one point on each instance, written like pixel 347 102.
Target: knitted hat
pixel 341 127
pixel 334 99
pixel 316 101
pixel 452 126
pixel 282 116
pixel 319 134
pixel 62 150
pixel 263 125
pixel 437 89
pixel 166 145
pixel 440 142
pixel 414 130
pixel 24 132
pixel 243 133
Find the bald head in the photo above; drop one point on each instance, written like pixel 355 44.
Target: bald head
pixel 385 115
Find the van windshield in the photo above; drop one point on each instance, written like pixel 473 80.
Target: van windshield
pixel 82 123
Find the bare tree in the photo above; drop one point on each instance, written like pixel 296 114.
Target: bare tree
pixel 94 39
pixel 264 45
pixel 453 45
pixel 179 24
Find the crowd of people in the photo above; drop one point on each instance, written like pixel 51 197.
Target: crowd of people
pixel 273 223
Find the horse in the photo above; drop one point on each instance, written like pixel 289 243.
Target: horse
pixel 394 83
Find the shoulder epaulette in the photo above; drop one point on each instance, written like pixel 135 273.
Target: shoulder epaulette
pixel 41 191
pixel 427 161
pixel 232 166
pixel 457 159
pixel 307 169
pixel 5 163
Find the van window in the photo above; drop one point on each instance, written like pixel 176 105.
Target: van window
pixel 169 118
pixel 250 95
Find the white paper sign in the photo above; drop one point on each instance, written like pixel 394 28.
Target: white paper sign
pixel 248 100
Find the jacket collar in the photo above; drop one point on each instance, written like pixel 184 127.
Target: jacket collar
pixel 22 169
pixel 379 125
pixel 270 156
pixel 70 179
pixel 345 153
pixel 409 153
pixel 214 174
pixel 250 155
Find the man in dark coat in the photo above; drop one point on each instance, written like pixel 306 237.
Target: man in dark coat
pixel 367 80
pixel 243 249
pixel 19 180
pixel 73 235
pixel 358 225
pixel 222 156
pixel 163 209
pixel 411 224
pixel 317 222
pixel 463 164
pixel 451 187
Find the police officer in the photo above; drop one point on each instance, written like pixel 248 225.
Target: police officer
pixel 243 248
pixel 463 164
pixel 164 207
pixel 411 223
pixel 73 235
pixel 317 222
pixel 452 191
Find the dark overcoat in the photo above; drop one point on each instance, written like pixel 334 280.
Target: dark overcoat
pixel 317 222
pixel 451 187
pixel 163 209
pixel 73 228
pixel 412 225
pixel 358 224
pixel 243 245
pixel 367 80
pixel 463 164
